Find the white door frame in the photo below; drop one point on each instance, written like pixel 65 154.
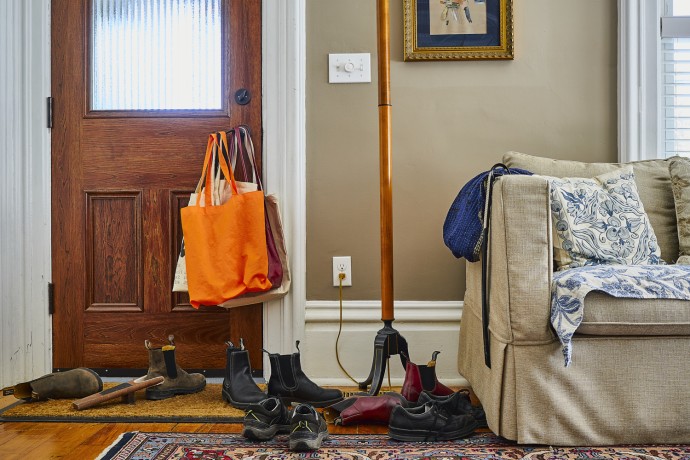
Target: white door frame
pixel 284 120
pixel 25 263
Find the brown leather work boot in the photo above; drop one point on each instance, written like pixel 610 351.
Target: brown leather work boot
pixel 75 383
pixel 177 380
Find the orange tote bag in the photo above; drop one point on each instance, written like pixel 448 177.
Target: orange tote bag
pixel 225 245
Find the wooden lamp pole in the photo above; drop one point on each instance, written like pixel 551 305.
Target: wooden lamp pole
pixel 388 341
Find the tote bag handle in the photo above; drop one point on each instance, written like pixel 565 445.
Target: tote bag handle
pixel 212 153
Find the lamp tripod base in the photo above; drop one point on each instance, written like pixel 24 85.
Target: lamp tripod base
pixel 388 342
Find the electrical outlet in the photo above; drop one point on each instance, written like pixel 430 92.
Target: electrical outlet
pixel 342 265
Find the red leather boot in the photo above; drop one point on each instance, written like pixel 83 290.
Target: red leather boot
pixel 420 377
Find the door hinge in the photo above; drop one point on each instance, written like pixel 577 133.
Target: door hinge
pixel 50 112
pixel 51 298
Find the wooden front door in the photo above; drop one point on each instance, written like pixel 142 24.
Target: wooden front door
pixel 120 174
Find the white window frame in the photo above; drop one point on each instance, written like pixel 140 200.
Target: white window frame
pixel 641 116
pixel 639 83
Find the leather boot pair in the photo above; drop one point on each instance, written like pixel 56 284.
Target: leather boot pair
pixel 176 381
pixel 75 383
pixel 289 383
pixel 239 388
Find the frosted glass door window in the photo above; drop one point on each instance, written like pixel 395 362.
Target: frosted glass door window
pixel 156 55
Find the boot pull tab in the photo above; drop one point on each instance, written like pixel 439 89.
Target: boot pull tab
pixel 266 351
pixel 169 359
pixel 297 345
pixel 434 355
pixel 147 344
pixel 241 344
pixel 229 344
pixel 171 339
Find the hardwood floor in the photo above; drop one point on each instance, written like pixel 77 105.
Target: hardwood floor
pixel 84 441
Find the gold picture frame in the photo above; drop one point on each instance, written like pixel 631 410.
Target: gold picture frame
pixel 438 30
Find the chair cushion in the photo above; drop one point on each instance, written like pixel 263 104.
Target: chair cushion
pixel 653 184
pixel 606 315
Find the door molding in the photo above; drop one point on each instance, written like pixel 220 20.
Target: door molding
pixel 25 257
pixel 284 144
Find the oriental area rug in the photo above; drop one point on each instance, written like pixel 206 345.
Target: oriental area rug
pixel 187 446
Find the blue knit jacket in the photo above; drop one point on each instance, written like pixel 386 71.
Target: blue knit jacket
pixel 462 230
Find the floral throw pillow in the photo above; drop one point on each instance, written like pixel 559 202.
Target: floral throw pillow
pixel 679 168
pixel 601 221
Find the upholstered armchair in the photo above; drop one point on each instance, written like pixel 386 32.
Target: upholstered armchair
pixel 629 381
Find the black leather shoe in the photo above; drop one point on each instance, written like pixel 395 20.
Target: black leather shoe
pixel 307 428
pixel 289 383
pixel 428 423
pixel 239 388
pixel 264 420
pixel 457 404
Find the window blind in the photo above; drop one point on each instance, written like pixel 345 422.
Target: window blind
pixel 675 85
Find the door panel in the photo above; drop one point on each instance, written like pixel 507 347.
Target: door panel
pixel 119 180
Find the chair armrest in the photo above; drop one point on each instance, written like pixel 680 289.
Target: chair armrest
pixel 521 261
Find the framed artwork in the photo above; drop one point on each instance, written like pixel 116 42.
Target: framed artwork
pixel 458 29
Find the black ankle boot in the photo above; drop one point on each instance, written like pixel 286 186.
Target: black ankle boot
pixel 239 388
pixel 289 383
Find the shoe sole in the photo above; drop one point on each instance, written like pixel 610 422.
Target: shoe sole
pixel 300 444
pixel 290 400
pixel 264 434
pixel 401 434
pixel 157 395
pixel 236 404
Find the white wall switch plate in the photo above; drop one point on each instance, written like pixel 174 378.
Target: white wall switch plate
pixel 349 68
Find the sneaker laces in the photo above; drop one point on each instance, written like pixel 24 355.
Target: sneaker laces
pixel 302 424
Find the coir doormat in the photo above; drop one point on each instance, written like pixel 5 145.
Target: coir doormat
pixel 206 406
pixel 158 446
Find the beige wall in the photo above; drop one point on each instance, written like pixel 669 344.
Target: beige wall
pixel 451 120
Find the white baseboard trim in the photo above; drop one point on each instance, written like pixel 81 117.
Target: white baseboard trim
pixel 327 311
pixel 426 325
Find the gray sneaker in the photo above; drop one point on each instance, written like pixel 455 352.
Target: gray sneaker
pixel 265 419
pixel 307 428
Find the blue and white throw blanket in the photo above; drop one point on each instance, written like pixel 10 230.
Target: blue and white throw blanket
pixel 569 288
